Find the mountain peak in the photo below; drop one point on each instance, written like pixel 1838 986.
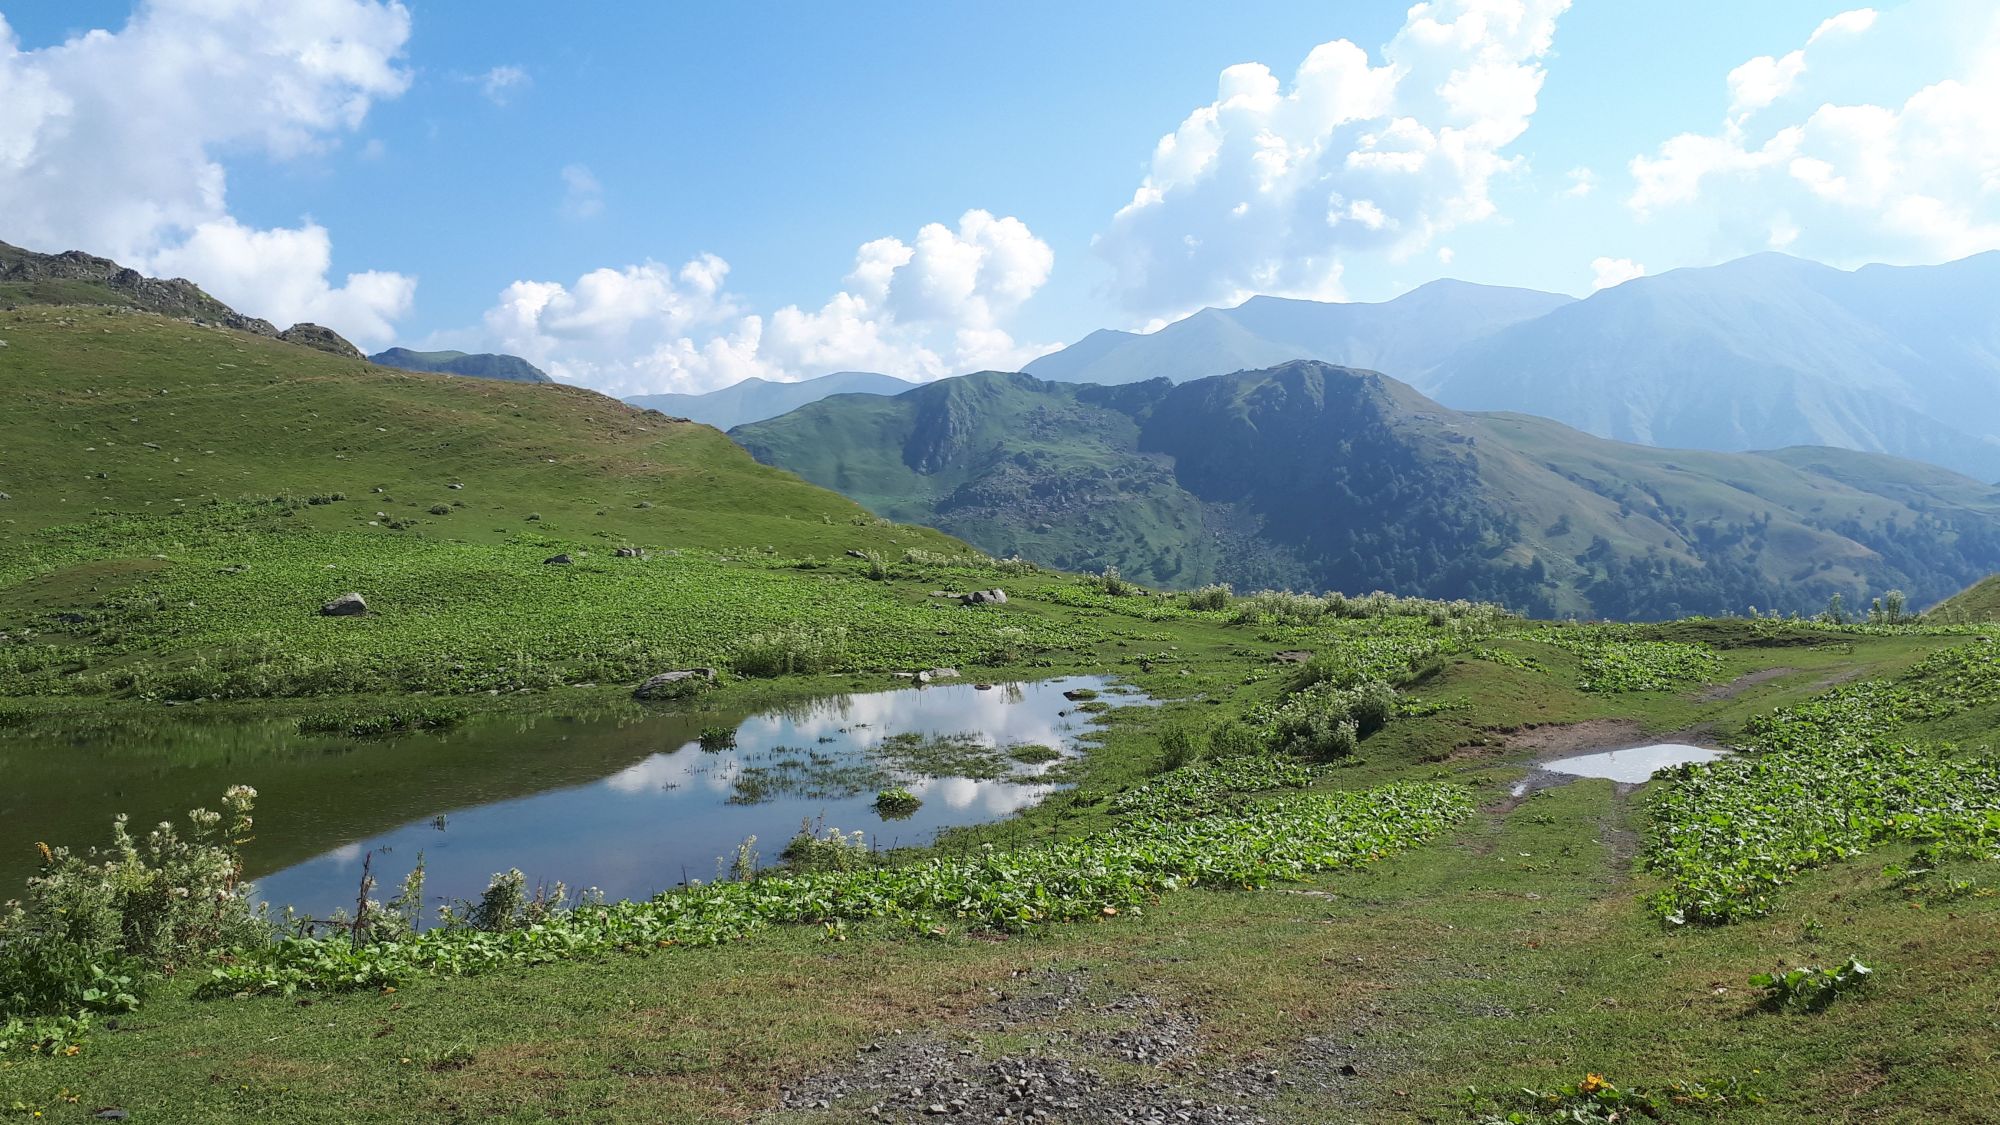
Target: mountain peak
pixel 485 365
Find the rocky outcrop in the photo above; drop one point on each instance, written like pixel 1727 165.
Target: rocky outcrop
pixel 309 335
pixel 76 278
pixel 63 278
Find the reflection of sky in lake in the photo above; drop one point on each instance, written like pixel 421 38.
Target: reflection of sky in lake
pixel 668 817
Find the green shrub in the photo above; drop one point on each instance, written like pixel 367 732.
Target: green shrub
pixel 506 905
pixel 829 850
pixel 1213 597
pixel 790 650
pixel 89 928
pixel 1180 745
pixel 1233 739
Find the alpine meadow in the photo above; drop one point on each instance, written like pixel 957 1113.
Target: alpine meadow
pixel 1492 619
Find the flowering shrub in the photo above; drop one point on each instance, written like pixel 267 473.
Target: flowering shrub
pixel 90 928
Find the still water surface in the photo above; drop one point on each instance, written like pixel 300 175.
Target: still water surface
pixel 1633 765
pixel 629 803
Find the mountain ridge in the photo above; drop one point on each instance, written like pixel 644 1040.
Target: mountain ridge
pixel 482 365
pixel 1311 475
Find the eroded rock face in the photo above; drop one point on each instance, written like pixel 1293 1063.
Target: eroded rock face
pixel 167 296
pixel 309 335
pixel 678 684
pixel 346 605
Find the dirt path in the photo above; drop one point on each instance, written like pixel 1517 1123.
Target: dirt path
pixel 1721 693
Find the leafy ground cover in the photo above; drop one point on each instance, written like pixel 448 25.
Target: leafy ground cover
pixel 1828 780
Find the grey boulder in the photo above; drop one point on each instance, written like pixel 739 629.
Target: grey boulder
pixel 676 684
pixel 346 605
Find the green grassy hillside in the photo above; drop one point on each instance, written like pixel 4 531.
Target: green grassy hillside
pixel 136 414
pixel 180 500
pixel 1312 475
pixel 1978 602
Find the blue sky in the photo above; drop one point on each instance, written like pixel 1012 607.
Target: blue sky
pixel 472 164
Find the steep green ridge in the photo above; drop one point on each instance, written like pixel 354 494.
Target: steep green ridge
pixel 1978 602
pixel 1314 475
pixel 485 365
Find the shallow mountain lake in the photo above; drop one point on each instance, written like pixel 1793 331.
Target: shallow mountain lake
pixel 631 802
pixel 1631 766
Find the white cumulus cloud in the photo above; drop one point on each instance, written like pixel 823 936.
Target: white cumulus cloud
pixel 935 306
pixel 1799 166
pixel 110 143
pixel 1270 190
pixel 1607 272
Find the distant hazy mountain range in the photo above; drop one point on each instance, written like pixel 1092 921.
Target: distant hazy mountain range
pixel 754 400
pixel 485 365
pixel 1313 476
pixel 1406 337
pixel 1759 353
pixel 1763 352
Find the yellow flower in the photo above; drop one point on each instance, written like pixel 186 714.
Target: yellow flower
pixel 1592 1083
pixel 47 855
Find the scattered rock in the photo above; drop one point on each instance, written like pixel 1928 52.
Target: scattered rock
pixel 942 673
pixel 995 596
pixel 454 486
pixel 557 560
pixel 921 1077
pixel 677 684
pixel 854 554
pixel 346 605
pixel 628 553
pixel 1295 656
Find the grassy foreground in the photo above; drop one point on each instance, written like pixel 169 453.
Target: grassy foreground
pixel 1522 951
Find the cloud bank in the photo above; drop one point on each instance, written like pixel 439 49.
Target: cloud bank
pixel 1796 167
pixel 923 309
pixel 108 144
pixel 1271 190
